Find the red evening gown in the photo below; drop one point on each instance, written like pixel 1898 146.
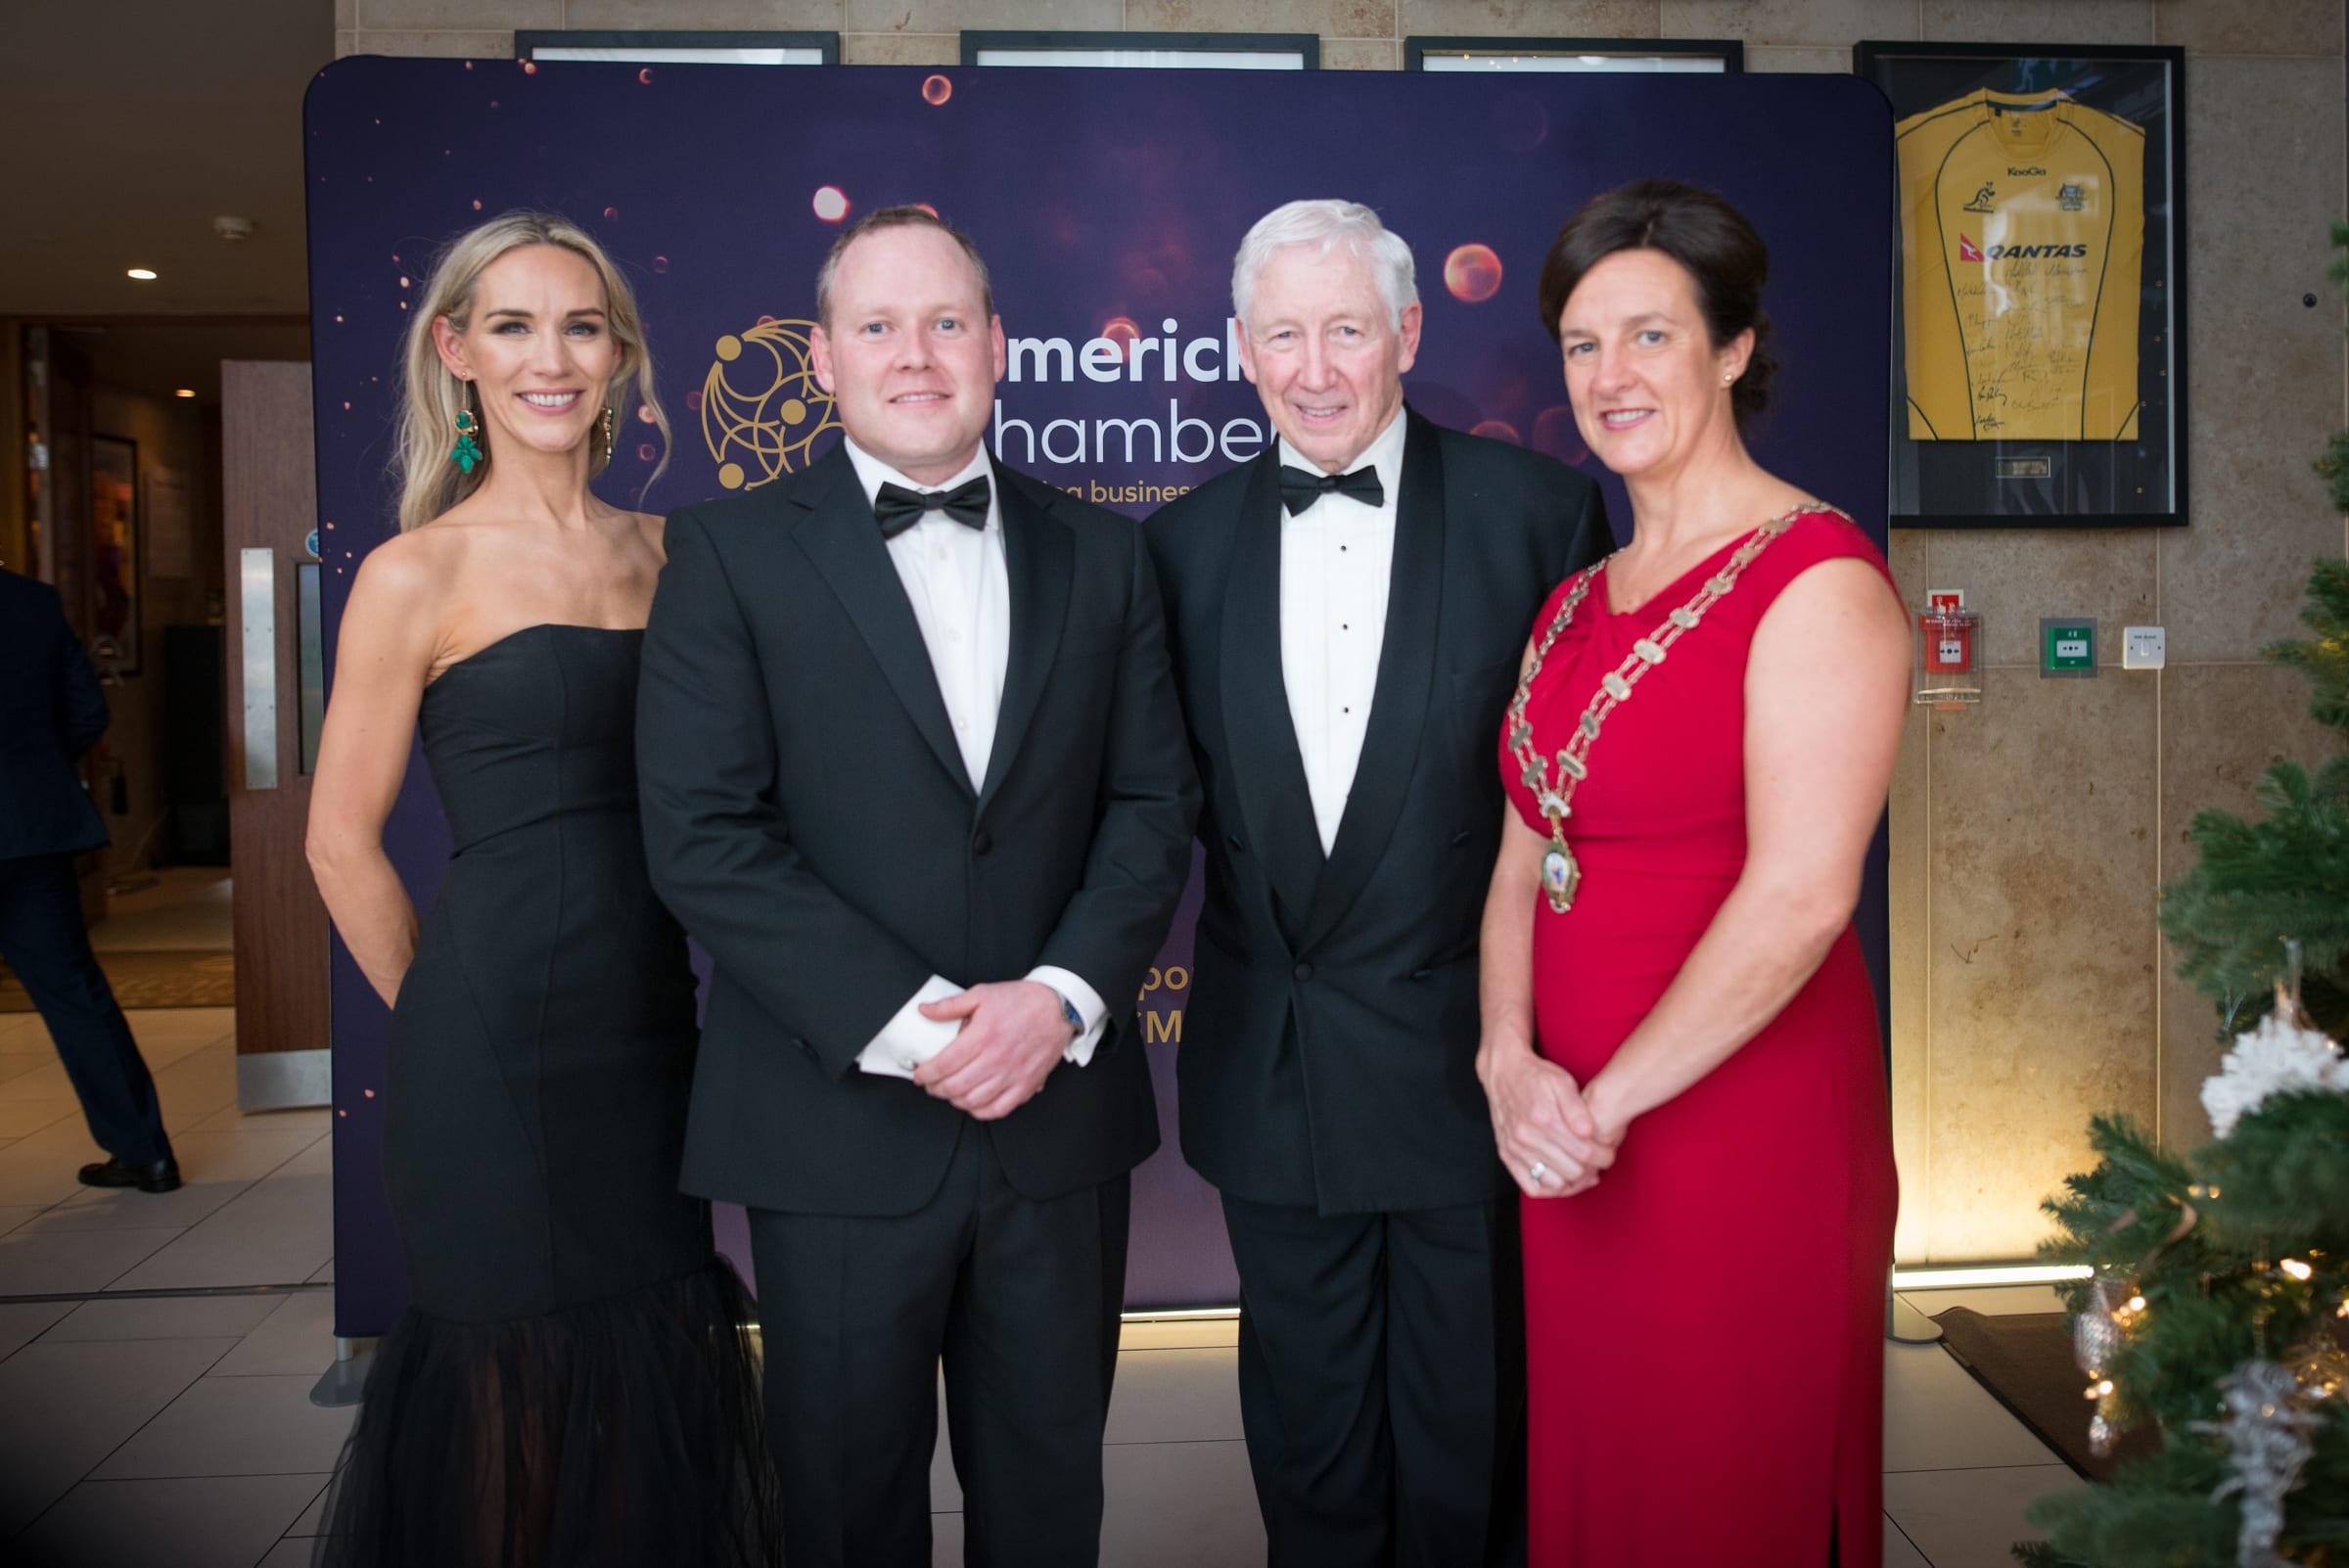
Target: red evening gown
pixel 1704 1329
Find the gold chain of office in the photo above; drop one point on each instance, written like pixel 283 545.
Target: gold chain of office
pixel 1562 873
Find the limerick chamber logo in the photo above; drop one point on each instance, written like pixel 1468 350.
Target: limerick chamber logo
pixel 762 409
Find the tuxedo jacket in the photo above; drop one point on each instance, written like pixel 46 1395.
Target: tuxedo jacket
pixel 808 818
pixel 1329 1042
pixel 51 712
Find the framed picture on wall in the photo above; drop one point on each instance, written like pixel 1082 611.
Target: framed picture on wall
pixel 114 553
pixel 673 48
pixel 2039 348
pixel 1230 51
pixel 1633 56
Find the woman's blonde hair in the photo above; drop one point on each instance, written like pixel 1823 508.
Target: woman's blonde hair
pixel 430 482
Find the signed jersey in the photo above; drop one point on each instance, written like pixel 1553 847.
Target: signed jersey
pixel 2023 221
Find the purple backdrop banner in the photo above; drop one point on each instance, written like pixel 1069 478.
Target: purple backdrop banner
pixel 1108 205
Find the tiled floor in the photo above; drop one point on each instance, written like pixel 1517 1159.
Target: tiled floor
pixel 157 1354
pixel 173 1428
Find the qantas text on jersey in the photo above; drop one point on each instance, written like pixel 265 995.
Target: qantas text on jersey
pixel 1970 252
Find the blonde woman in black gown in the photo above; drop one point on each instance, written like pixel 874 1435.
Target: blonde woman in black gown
pixel 570 1385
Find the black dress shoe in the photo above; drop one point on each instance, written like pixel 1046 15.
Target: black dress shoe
pixel 161 1176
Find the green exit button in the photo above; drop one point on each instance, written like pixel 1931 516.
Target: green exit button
pixel 2067 647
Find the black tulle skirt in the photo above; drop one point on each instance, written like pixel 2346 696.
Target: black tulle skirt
pixel 615 1434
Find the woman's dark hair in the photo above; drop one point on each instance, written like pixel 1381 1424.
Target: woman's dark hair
pixel 1700 231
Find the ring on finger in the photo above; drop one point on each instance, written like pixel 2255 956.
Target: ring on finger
pixel 1537 1172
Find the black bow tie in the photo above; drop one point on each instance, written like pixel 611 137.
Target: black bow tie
pixel 1299 490
pixel 897 508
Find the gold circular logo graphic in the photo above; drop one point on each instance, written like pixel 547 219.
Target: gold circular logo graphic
pixel 762 409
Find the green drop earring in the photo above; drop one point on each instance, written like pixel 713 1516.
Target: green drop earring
pixel 467 453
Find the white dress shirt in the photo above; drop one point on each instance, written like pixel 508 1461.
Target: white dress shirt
pixel 955 580
pixel 1336 557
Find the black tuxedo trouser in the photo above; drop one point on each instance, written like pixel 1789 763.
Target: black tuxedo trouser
pixel 1382 1383
pixel 44 941
pixel 1020 1298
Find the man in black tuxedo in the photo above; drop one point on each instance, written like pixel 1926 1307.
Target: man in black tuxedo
pixel 907 726
pixel 51 712
pixel 1347 614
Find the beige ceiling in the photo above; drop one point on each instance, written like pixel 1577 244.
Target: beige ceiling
pixel 126 126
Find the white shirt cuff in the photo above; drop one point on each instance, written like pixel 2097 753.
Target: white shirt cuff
pixel 908 1039
pixel 1088 1004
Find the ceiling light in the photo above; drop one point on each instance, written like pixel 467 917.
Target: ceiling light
pixel 233 228
pixel 185 392
pixel 143 274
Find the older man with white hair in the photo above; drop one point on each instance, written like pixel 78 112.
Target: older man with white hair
pixel 1347 613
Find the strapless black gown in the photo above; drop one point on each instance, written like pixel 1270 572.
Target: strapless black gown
pixel 572 1386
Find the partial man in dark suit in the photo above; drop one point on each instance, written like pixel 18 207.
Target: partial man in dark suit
pixel 51 712
pixel 913 771
pixel 1347 613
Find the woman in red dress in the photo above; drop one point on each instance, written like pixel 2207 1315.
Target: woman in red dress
pixel 1680 1047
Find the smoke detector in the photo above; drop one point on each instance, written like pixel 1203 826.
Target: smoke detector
pixel 233 228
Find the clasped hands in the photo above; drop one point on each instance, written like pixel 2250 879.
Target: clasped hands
pixel 1554 1143
pixel 1013 1034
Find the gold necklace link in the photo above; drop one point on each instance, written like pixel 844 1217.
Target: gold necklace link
pixel 1562 873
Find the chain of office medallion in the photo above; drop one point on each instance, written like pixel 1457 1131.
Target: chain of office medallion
pixel 1616 686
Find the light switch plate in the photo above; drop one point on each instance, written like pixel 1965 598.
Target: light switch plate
pixel 2144 648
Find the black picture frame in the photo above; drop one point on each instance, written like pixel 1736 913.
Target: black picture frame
pixel 1305 45
pixel 1731 52
pixel 1990 440
pixel 527 44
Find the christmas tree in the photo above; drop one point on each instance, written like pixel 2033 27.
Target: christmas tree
pixel 2286 874
pixel 2217 1306
pixel 2213 1310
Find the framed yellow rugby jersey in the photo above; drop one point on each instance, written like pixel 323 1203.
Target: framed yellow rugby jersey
pixel 2023 222
pixel 2037 356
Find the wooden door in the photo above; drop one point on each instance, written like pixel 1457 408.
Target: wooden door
pixel 269 480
